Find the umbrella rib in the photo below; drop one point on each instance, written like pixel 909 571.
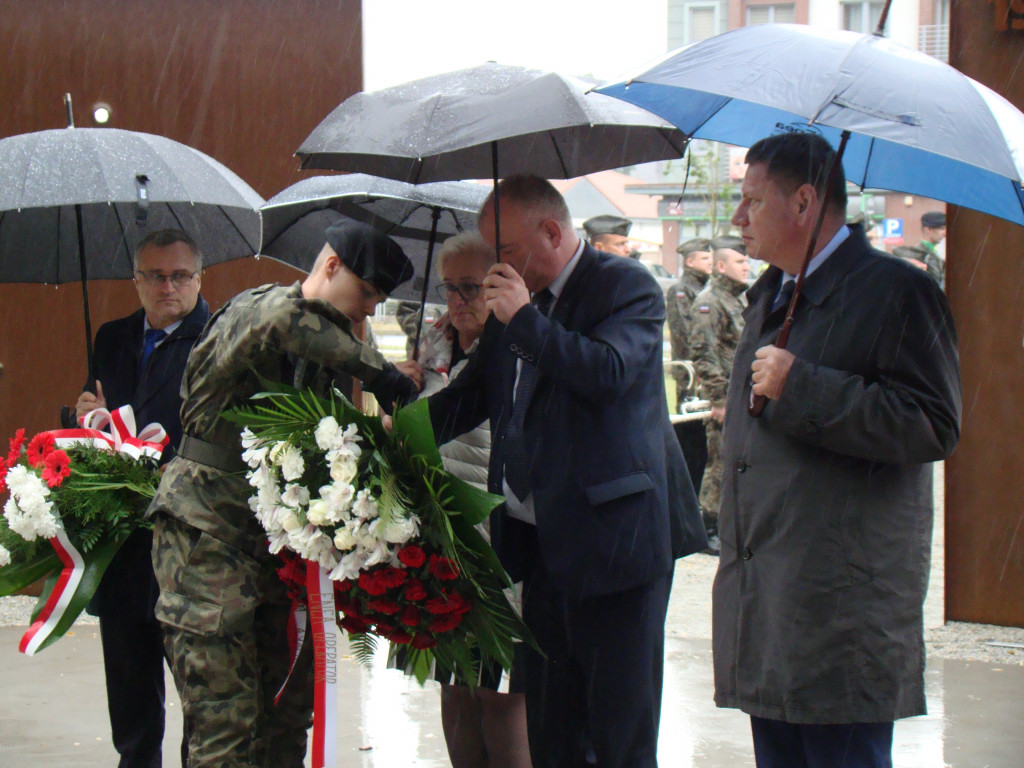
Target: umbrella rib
pixel 124 239
pixel 832 96
pixel 561 160
pixel 241 234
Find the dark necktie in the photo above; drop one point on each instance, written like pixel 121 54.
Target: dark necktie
pixel 517 454
pixel 153 337
pixel 782 300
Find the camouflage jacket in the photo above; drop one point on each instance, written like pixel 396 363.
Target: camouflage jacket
pixel 275 332
pixel 717 324
pixel 678 301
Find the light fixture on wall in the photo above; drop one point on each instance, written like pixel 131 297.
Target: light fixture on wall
pixel 101 113
pixel 908 200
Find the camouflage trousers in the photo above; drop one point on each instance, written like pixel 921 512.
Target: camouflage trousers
pixel 224 616
pixel 711 486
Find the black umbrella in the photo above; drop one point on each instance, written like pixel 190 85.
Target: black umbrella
pixel 75 202
pixel 484 122
pixel 295 219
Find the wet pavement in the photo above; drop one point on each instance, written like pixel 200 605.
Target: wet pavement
pixel 53 712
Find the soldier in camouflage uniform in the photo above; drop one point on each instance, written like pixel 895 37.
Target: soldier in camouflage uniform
pixel 696 254
pixel 717 324
pixel 697 264
pixel 223 608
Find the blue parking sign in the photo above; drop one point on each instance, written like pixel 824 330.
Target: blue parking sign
pixel 892 229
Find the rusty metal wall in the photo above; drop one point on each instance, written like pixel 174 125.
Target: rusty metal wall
pixel 985 284
pixel 241 80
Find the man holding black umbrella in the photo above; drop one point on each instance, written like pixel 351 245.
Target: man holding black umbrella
pixel 826 519
pixel 139 362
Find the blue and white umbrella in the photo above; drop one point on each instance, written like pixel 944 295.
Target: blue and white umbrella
pixel 916 124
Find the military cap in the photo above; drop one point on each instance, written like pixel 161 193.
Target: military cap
pixel 694 244
pixel 606 224
pixel 729 241
pixel 914 252
pixel 933 219
pixel 370 254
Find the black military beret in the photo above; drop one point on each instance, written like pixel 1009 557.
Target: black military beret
pixel 370 254
pixel 933 219
pixel 606 224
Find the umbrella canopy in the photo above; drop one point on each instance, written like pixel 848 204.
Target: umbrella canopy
pixel 126 185
pixel 295 219
pixel 451 126
pixel 916 124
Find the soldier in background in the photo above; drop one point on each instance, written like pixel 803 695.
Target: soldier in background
pixel 223 609
pixel 913 254
pixel 717 314
pixel 697 265
pixel 933 232
pixel 609 234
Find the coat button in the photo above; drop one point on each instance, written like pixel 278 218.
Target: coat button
pixel 741 466
pixel 747 553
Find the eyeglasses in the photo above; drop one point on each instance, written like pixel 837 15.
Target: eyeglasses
pixel 468 291
pixel 156 279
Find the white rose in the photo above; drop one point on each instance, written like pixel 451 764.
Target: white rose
pixel 291 463
pixel 343 539
pixel 401 529
pixel 343 466
pixel 318 512
pixel 287 519
pixel 328 434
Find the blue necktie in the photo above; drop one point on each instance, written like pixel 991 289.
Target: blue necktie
pixel 153 337
pixel 782 300
pixel 518 459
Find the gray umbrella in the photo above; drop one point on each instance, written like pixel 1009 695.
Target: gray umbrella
pixel 417 217
pixel 443 127
pixel 486 122
pixel 75 202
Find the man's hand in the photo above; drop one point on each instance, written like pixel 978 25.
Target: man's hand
pixel 87 401
pixel 413 370
pixel 718 413
pixel 387 421
pixel 771 367
pixel 505 293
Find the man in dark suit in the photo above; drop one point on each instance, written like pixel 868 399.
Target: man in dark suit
pixel 599 503
pixel 139 362
pixel 826 519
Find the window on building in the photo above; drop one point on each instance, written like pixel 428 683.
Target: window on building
pixel 779 13
pixel 702 23
pixel 861 15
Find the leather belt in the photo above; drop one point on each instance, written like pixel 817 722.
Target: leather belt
pixel 212 455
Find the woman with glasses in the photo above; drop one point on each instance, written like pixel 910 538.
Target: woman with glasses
pixel 483 728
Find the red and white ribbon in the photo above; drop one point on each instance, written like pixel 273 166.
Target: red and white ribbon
pixel 121 436
pixel 296 639
pixel 322 614
pixel 60 598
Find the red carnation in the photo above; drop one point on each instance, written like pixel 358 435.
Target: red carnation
pixel 355 625
pixel 370 583
pixel 446 623
pixel 384 629
pixel 442 568
pixel 39 448
pixel 412 556
pixel 392 577
pixel 293 573
pixel 423 640
pixel 58 467
pixel 449 603
pixel 16 442
pixel 399 636
pixel 387 607
pixel 415 591
pixel 343 586
pixel 410 616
